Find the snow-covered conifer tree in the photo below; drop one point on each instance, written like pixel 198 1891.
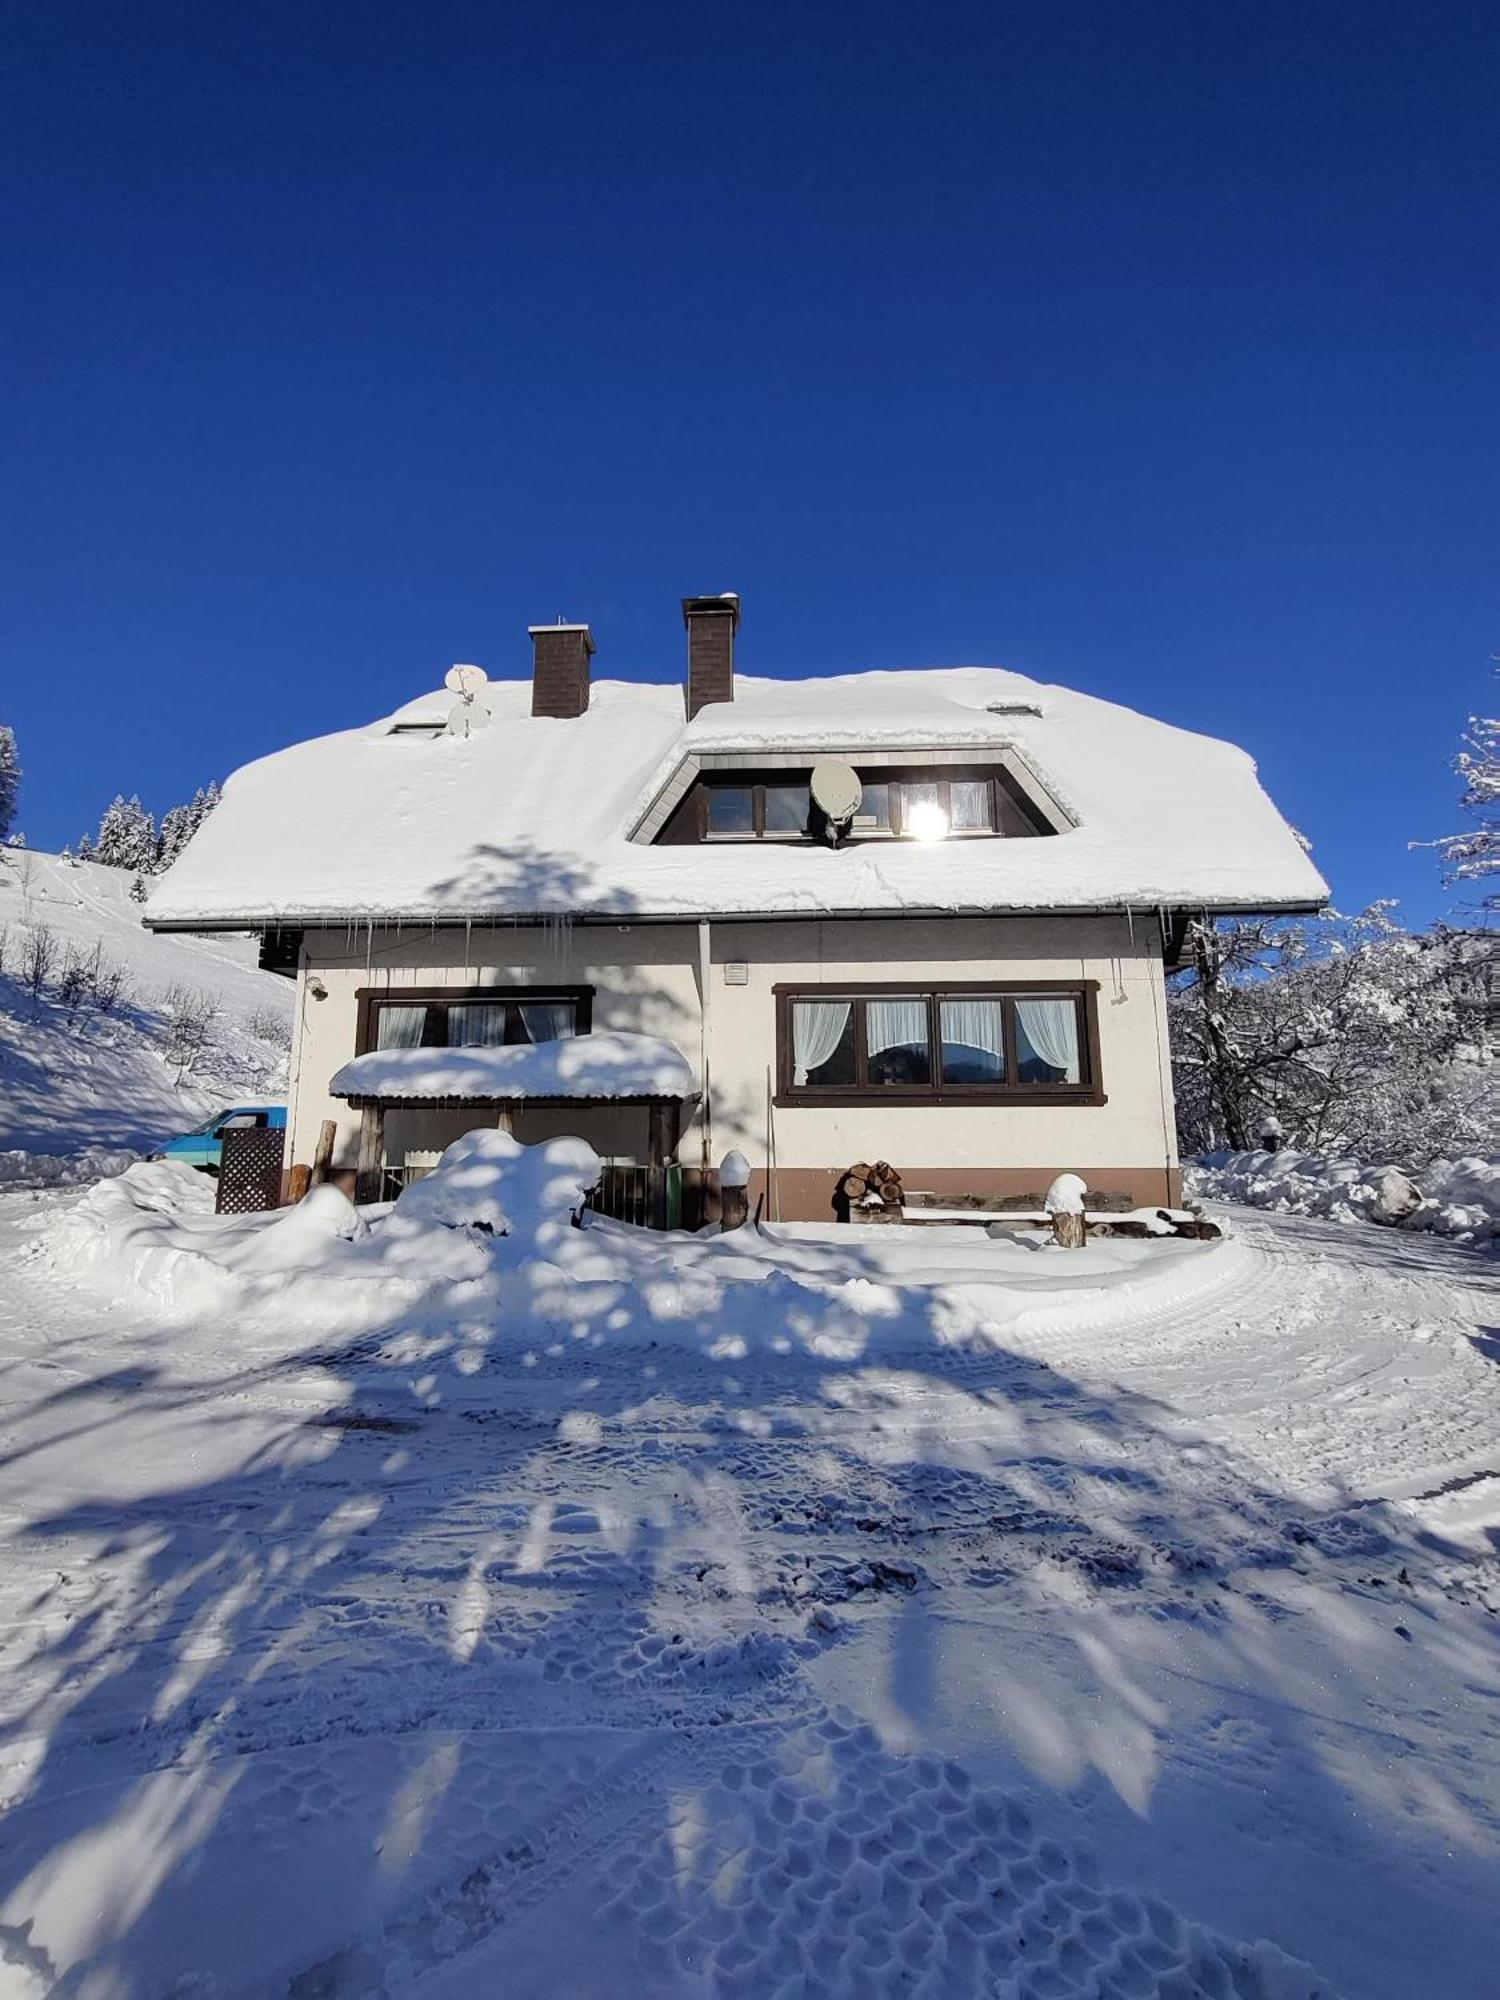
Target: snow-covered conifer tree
pixel 10 779
pixel 178 825
pixel 127 836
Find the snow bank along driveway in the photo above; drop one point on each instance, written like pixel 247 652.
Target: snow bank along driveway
pixel 806 1617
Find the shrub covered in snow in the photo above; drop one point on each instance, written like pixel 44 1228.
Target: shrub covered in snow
pixel 1458 1198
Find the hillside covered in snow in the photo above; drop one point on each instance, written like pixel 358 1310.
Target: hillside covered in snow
pixel 112 1039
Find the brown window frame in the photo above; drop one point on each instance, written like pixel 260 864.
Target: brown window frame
pixel 1089 1089
pixel 755 783
pixel 689 824
pixel 370 999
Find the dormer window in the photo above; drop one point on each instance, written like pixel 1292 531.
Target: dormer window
pixel 936 803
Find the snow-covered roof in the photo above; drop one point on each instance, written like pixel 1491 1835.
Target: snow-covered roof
pixel 609 1066
pixel 534 816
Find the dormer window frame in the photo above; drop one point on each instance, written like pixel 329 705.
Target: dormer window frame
pixel 662 818
pixel 897 783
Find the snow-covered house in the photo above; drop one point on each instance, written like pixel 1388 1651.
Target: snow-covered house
pixel 617 909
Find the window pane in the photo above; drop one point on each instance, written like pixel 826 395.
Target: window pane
pixel 922 813
pixel 874 815
pixel 822 1043
pixel 399 1027
pixel 476 1024
pixel 1047 1040
pixel 547 1020
pixel 973 1041
pixel 896 1041
pixel 969 805
pixel 731 809
pixel 786 808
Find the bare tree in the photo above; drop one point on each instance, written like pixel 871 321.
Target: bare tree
pixel 191 1012
pixel 38 956
pixel 270 1024
pixel 111 985
pixel 74 981
pixel 1349 1033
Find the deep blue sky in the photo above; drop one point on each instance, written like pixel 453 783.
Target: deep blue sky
pixel 1147 348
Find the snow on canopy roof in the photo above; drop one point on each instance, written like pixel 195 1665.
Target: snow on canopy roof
pixel 608 1066
pixel 532 817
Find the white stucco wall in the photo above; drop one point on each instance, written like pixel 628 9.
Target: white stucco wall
pixel 646 977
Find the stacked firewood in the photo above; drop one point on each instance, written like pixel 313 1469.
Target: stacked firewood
pixel 864 1181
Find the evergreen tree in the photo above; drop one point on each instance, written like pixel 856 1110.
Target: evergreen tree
pixel 10 779
pixel 178 825
pixel 127 836
pixel 84 850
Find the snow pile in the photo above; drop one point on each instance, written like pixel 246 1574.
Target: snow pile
pixel 488 1180
pixel 152 1233
pixel 1065 1196
pixel 20 1168
pixel 1458 1198
pixel 608 1065
pixel 488 1240
pixel 127 1038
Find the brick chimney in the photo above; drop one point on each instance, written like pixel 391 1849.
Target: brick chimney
pixel 560 669
pixel 711 625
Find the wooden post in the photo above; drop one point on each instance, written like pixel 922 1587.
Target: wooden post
pixel 1069 1229
pixel 323 1156
pixel 658 1153
pixel 367 1183
pixel 658 1134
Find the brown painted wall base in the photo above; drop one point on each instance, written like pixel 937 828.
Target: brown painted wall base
pixel 805 1194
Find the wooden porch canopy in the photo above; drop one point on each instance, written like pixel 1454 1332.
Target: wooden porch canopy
pixel 597 1072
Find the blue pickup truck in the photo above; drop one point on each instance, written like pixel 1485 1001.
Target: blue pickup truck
pixel 203 1147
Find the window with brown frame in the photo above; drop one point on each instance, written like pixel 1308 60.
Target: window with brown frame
pixel 452 1017
pixel 909 802
pixel 965 1042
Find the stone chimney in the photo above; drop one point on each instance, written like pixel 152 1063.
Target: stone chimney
pixel 711 625
pixel 560 669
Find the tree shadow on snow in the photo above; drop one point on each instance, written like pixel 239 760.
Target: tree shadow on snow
pixel 496 1628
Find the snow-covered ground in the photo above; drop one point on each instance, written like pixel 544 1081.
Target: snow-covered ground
pixel 802 1614
pixel 1458 1198
pixel 81 1087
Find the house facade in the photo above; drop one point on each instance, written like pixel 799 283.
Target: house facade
pixel 924 917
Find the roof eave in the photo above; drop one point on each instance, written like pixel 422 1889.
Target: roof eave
pixel 334 919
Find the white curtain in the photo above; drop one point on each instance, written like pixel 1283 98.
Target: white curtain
pixel 1051 1027
pixel 975 1024
pixel 817 1029
pixel 969 805
pixel 547 1020
pixel 400 1027
pixel 477 1024
pixel 895 1024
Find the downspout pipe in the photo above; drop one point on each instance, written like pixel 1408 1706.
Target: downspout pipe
pixel 705 966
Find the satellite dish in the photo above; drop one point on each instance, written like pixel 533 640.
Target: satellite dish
pixel 466 716
pixel 836 788
pixel 466 681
